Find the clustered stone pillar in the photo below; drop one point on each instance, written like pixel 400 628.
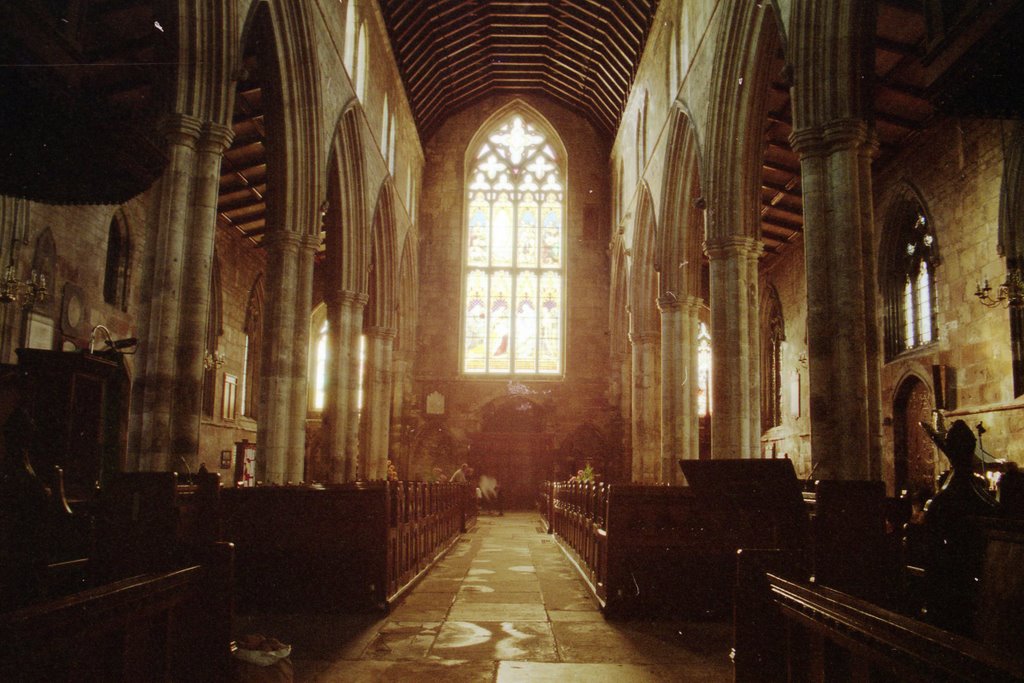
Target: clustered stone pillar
pixel 673 377
pixel 344 310
pixel 195 293
pixel 646 407
pixel 279 348
pixel 353 431
pixel 735 372
pixel 298 406
pixel 377 399
pixel 178 254
pixel 842 334
pixel 681 425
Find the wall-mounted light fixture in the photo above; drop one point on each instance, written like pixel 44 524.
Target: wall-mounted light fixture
pixel 1010 293
pixel 31 291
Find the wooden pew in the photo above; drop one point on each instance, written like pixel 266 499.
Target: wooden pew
pixel 831 635
pixel 347 548
pixel 168 626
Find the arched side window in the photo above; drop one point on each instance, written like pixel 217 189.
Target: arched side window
pixel 319 359
pixel 253 349
pixel 349 56
pixel 514 265
pixel 703 371
pixel 773 333
pixel 118 267
pixel 910 293
pixel 361 68
pixel 214 330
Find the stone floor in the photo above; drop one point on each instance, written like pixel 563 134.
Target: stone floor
pixel 504 605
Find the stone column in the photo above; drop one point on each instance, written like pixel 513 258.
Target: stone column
pixel 673 377
pixel 379 379
pixel 344 310
pixel 842 334
pixel 734 347
pixel 298 408
pixel 353 430
pixel 195 298
pixel 279 329
pixel 689 426
pixel 646 407
pixel 154 391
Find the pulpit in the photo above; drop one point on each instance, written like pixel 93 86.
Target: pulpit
pixel 79 402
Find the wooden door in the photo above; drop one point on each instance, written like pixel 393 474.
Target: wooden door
pixel 520 462
pixel 914 452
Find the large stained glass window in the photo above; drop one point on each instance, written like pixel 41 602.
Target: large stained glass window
pixel 515 262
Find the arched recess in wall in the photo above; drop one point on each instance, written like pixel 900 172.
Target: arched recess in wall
pixel 913 450
pixel 382 285
pixel 644 283
pixel 407 314
pixel 1011 244
pixel 253 348
pixel 773 333
pixel 117 272
pixel 584 447
pixel 908 258
pixel 214 331
pixel 620 365
pixel 751 38
pixel 680 255
pixel 347 247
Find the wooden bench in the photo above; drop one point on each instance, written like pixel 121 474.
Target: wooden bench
pixel 787 628
pixel 347 548
pixel 168 626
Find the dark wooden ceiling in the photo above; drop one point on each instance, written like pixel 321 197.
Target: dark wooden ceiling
pixel 582 53
pixel 78 104
pixel 902 106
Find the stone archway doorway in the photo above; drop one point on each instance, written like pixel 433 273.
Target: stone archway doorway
pixel 914 452
pixel 514 448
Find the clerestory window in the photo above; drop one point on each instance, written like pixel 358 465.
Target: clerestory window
pixel 513 296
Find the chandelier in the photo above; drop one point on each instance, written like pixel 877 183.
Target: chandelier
pixel 31 291
pixel 1010 293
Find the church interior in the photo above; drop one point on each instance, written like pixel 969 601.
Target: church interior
pixel 703 319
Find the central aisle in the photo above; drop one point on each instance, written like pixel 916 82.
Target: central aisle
pixel 504 605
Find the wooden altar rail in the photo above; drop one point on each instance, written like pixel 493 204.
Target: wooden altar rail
pixel 346 548
pixel 171 626
pixel 646 549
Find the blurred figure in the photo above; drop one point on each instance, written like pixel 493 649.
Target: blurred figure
pixel 461 475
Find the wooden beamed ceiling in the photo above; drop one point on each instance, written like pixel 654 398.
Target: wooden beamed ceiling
pixel 582 53
pixel 901 107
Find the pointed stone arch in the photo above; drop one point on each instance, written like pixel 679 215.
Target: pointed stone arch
pixel 347 218
pixel 528 112
pixel 383 276
pixel 208 56
pixel 680 240
pixel 644 281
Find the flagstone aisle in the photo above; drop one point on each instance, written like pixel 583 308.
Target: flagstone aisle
pixel 504 605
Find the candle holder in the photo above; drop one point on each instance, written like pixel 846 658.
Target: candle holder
pixel 30 292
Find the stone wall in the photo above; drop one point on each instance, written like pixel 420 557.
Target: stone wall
pixel 579 397
pixel 956 167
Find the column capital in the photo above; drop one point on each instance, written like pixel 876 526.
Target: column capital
pixel 346 297
pixel 733 245
pixel 216 137
pixel 282 240
pixel 382 333
pixel 181 129
pixel 692 304
pixel 309 242
pixel 637 338
pixel 833 136
pixel 668 302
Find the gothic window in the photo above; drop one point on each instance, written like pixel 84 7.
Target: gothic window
pixel 910 291
pixel 252 350
pixel 320 374
pixel 214 330
pixel 703 371
pixel 362 68
pixel 115 277
pixel 772 336
pixel 515 268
